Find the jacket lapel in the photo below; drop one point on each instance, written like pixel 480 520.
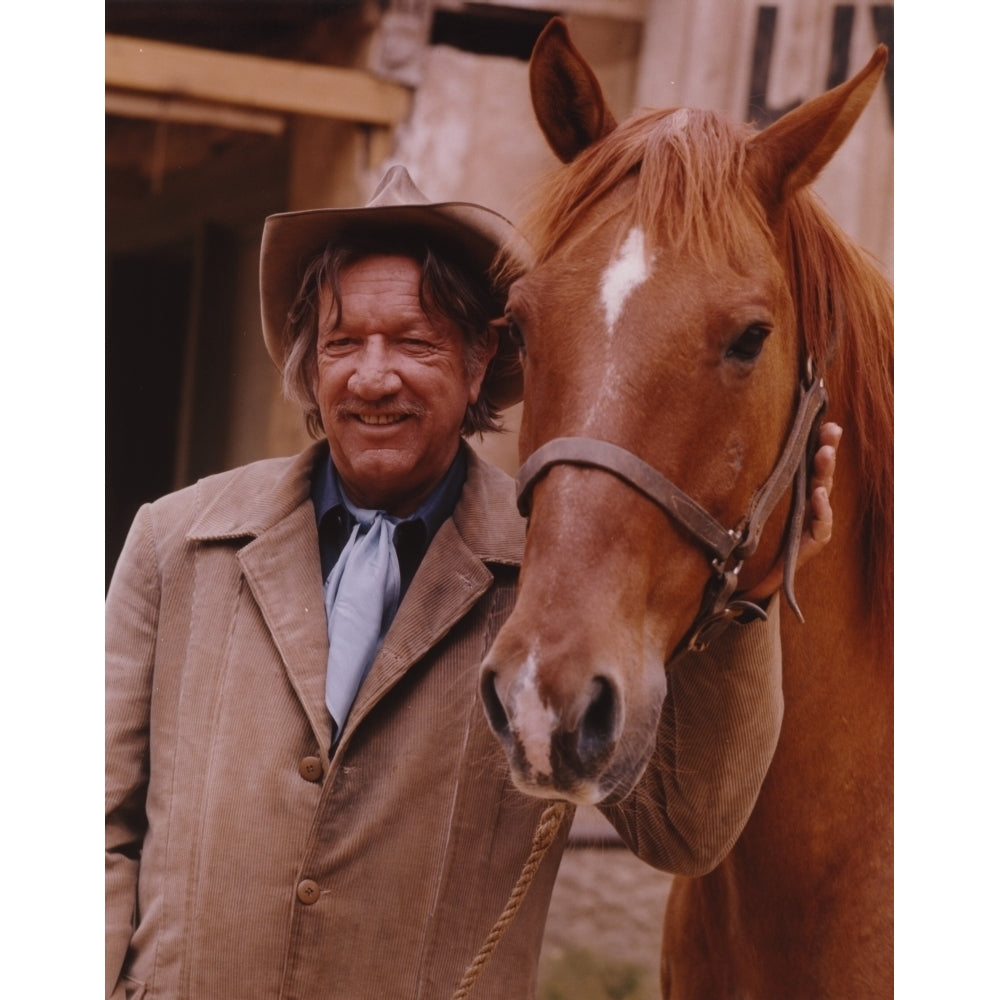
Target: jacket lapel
pixel 281 567
pixel 283 573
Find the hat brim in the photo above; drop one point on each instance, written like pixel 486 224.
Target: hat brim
pixel 291 240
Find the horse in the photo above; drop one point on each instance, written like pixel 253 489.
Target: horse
pixel 690 309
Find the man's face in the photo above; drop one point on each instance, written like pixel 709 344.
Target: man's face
pixel 391 385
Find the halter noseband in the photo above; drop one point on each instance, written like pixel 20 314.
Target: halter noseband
pixel 727 547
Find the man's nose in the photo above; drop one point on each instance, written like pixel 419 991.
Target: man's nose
pixel 375 374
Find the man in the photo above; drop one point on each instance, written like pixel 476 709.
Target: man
pixel 303 796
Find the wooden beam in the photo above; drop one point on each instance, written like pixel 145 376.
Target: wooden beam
pixel 253 81
pixel 618 10
pixel 172 109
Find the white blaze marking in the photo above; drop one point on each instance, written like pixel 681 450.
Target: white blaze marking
pixel 532 721
pixel 627 270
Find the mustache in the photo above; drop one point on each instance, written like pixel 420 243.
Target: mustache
pixel 359 408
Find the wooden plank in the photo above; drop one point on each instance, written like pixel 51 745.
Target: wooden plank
pixel 172 109
pixel 253 81
pixel 619 10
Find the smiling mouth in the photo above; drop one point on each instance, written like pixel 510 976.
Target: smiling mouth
pixel 379 419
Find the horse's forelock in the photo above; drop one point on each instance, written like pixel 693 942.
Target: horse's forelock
pixel 690 187
pixel 686 164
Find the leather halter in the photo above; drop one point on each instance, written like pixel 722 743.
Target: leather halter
pixel 727 547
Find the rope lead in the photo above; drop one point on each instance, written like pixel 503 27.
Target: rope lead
pixel 545 833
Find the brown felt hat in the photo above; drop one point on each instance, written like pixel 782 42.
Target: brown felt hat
pixel 292 240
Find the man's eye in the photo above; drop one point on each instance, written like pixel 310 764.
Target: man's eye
pixel 749 343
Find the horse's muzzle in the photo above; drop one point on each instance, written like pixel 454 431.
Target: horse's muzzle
pixel 554 752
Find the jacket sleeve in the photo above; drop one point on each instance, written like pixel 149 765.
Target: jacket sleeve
pixel 131 614
pixel 717 735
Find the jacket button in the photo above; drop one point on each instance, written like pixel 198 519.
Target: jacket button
pixel 307 891
pixel 311 768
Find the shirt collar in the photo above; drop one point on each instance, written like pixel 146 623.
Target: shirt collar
pixel 334 522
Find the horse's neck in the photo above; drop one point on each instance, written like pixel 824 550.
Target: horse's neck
pixel 830 785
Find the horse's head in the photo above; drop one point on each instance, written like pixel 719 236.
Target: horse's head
pixel 661 318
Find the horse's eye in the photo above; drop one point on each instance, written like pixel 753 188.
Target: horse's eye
pixel 514 331
pixel 749 343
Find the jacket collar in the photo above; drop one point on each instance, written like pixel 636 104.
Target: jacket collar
pixel 486 516
pixel 258 496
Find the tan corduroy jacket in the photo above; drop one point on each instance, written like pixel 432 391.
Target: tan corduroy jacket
pixel 243 863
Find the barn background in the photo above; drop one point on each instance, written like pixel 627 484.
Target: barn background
pixel 220 112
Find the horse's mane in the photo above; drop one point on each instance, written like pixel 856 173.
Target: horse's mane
pixel 687 167
pixel 845 307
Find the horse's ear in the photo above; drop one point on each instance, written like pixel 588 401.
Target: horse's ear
pixel 791 152
pixel 569 103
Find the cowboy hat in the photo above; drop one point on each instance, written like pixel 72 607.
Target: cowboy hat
pixel 291 240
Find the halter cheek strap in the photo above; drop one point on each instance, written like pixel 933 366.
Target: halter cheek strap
pixel 726 547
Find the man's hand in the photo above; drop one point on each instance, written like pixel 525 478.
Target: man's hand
pixel 817 528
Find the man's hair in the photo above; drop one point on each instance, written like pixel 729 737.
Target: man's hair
pixel 447 290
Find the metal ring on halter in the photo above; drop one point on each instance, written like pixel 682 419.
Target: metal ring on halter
pixel 719 565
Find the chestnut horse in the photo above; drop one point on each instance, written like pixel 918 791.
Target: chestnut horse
pixel 689 302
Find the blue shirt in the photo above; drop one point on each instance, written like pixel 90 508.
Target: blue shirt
pixel 413 535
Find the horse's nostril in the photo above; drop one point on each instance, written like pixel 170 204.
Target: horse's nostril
pixel 597 727
pixel 495 712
